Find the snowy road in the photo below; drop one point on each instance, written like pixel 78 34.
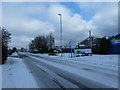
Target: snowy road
pixel 53 73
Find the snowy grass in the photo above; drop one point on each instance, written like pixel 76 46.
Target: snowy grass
pixel 95 74
pixel 98 68
pixel 107 61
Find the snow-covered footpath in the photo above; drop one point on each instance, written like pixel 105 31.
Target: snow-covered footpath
pixel 16 75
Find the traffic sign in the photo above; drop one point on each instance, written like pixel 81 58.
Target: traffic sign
pixel 72 44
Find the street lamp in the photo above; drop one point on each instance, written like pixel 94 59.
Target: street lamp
pixel 90 37
pixel 61 31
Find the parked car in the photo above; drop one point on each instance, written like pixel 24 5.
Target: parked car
pixel 33 51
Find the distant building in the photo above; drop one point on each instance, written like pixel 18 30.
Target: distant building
pixel 64 48
pixel 87 42
pixel 57 47
pixel 115 44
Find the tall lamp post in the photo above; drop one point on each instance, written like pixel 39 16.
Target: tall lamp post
pixel 61 31
pixel 90 37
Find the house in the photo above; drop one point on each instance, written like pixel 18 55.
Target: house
pixel 64 48
pixel 88 43
pixel 115 44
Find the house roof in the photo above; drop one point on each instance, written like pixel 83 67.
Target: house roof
pixel 114 36
pixel 87 39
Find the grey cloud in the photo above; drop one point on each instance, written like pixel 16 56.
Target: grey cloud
pixel 29 21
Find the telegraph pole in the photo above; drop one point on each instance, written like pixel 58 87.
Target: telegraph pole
pixel 90 41
pixel 61 31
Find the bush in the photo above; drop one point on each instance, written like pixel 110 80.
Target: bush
pixel 53 54
pixel 4 54
pixel 104 46
pixel 10 52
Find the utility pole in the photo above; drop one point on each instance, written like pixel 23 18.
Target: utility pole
pixel 90 41
pixel 1 45
pixel 61 31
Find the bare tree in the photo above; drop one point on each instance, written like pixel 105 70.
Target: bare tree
pixel 50 40
pixel 32 45
pixel 42 43
pixel 6 37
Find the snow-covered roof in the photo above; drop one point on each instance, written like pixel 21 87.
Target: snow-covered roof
pixel 114 36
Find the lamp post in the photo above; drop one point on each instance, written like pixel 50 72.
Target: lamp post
pixel 90 37
pixel 61 31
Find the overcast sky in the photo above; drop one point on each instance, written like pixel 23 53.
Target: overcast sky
pixel 25 20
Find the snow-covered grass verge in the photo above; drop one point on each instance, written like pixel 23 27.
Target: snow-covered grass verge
pixel 110 80
pixel 16 75
pixel 105 67
pixel 104 61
